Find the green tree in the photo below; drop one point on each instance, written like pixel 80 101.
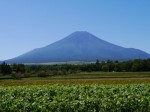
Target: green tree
pixel 137 66
pixel 97 62
pixel 5 69
pixel 18 68
pixel 105 68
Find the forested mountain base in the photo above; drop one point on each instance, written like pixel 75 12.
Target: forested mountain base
pixel 20 70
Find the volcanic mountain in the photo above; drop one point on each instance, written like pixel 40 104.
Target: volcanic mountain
pixel 79 46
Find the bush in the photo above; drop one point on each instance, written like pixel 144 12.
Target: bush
pixel 16 75
pixel 59 72
pixel 42 74
pixel 26 75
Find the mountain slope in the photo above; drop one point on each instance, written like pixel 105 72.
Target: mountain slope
pixel 79 46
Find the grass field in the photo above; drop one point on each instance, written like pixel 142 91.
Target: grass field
pixel 81 78
pixel 95 75
pixel 75 81
pixel 92 75
pixel 81 92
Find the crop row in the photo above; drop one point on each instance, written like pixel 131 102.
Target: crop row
pixel 104 81
pixel 76 98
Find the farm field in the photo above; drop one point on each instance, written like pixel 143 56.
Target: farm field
pixel 106 81
pixel 81 92
pixel 76 98
pixel 93 75
pixel 89 75
pixel 83 77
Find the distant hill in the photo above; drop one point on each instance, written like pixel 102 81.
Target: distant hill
pixel 79 46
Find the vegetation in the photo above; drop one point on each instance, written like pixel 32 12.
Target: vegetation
pixel 5 69
pixel 18 71
pixel 73 98
pixel 102 75
pixel 110 86
pixel 41 81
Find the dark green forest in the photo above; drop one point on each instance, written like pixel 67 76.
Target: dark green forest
pixel 16 70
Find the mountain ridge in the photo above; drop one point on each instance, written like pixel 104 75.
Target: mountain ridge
pixel 79 46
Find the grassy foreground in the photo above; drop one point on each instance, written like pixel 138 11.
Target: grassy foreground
pixel 76 98
pixel 82 92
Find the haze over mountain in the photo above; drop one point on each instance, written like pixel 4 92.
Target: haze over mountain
pixel 79 46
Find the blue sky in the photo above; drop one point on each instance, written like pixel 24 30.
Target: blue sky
pixel 29 24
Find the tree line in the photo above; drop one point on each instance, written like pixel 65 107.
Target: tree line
pixel 137 65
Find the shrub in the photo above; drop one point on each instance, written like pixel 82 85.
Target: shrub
pixel 16 75
pixel 42 74
pixel 26 75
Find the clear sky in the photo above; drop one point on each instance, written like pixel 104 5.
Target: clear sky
pixel 29 24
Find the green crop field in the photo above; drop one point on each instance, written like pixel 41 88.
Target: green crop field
pixel 76 98
pixel 80 92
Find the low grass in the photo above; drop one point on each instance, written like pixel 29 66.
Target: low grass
pixel 83 77
pixel 105 81
pixel 91 75
pixel 5 77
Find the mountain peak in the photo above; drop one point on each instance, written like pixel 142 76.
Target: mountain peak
pixel 79 46
pixel 80 32
pixel 81 36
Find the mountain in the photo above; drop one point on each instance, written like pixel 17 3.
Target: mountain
pixel 79 46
